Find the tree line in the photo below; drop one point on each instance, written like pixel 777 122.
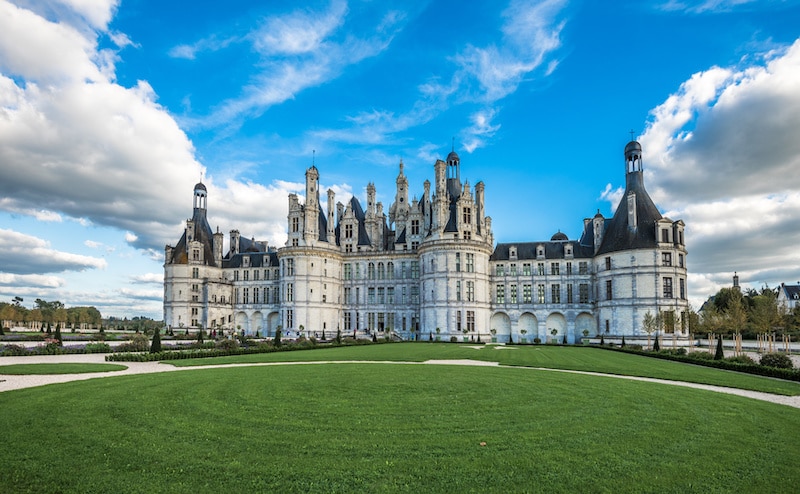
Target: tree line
pixel 45 312
pixel 750 313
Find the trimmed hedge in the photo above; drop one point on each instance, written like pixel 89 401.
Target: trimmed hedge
pixel 756 369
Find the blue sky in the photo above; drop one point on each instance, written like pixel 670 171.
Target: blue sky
pixel 111 111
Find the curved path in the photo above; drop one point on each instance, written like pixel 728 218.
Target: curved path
pixel 10 382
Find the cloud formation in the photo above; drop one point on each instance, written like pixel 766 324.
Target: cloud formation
pixel 722 153
pixel 25 254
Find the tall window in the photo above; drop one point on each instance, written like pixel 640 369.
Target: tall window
pixel 414 227
pixel 295 224
pixel 458 290
pixel 540 294
pixel 414 269
pixel 540 268
pixel 569 293
pixel 467 216
pixel 680 260
pixel 526 269
pixel 246 296
pixel 608 262
pixel 470 291
pixel 196 272
pixel 371 270
pixel 569 268
pixel 414 294
pixel 381 271
pixel 664 235
pixel 370 295
pixel 289 292
pixel 348 324
pixel 682 284
pixel 471 321
pixel 289 267
pixel 583 293
pixel 583 267
pixel 470 263
pixel 512 294
pixel 513 270
pixel 390 295
pixel 458 262
pixel 348 231
pixel 458 321
pixel 555 293
pixel 666 258
pixel 348 295
pixel 667 287
pixel 526 294
pixel 555 268
pixel 289 319
pixel 381 292
pixel 609 290
pixel 390 270
pixel 500 270
pixel 501 294
pixel 348 271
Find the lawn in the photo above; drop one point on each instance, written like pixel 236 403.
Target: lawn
pixel 551 357
pixel 61 368
pixel 391 428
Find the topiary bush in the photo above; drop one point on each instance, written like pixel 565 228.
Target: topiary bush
pixel 777 360
pixel 97 348
pixel 741 359
pixel 226 344
pixel 138 343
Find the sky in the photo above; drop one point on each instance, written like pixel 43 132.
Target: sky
pixel 111 111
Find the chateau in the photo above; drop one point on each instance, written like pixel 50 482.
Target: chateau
pixel 430 268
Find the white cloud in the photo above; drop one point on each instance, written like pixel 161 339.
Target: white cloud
pixel 31 280
pixel 475 136
pixel 612 195
pixel 722 154
pixel 32 255
pixel 704 6
pixel 156 278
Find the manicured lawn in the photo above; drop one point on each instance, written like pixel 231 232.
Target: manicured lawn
pixel 551 357
pixel 398 428
pixel 68 368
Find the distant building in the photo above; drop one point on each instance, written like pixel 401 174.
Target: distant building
pixel 430 268
pixel 789 296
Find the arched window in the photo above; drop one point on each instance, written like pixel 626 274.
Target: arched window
pixel 371 271
pixel 381 271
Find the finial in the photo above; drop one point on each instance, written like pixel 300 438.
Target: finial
pixel 313 157
pixel 454 145
pixel 631 133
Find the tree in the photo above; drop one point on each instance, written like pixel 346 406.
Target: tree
pixel 719 354
pixel 278 336
pixel 764 314
pixel 155 347
pixel 58 334
pixel 649 325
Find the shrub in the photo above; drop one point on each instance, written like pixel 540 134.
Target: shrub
pixel 537 341
pixel 777 360
pixel 138 343
pixel 97 348
pixel 14 351
pixel 701 355
pixel 278 337
pixel 155 347
pixel 227 344
pixel 741 359
pixel 453 339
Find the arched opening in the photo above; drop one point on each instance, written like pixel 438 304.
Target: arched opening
pixel 500 325
pixel 556 327
pixel 528 327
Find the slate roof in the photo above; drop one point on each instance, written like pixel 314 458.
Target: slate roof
pixel 203 234
pixel 619 235
pixel 257 259
pixel 792 292
pixel 552 250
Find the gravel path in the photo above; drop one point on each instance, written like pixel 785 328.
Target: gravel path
pixel 10 382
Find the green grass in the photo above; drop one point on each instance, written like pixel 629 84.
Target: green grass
pixel 551 357
pixel 391 428
pixel 63 368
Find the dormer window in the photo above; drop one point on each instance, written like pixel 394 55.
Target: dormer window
pixel 512 252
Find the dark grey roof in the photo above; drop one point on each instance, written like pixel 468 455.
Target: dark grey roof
pixel 618 235
pixel 792 292
pixel 202 233
pixel 257 260
pixel 200 186
pixel 552 250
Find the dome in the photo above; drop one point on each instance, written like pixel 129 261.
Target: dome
pixel 200 186
pixel 559 237
pixel 633 146
pixel 452 156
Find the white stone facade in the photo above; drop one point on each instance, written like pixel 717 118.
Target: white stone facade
pixel 429 269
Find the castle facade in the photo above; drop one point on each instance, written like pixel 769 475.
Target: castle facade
pixel 429 268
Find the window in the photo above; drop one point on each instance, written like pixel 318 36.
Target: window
pixel 348 325
pixel 195 287
pixel 414 270
pixel 403 296
pixel 583 293
pixel 348 295
pixel 667 287
pixel 295 225
pixel 555 293
pixel 458 321
pixel 467 235
pixel 414 245
pixel 246 296
pixel 195 272
pixel 609 290
pixel 414 227
pixel 371 271
pixel 348 231
pixel 381 298
pixel 195 254
pixel 348 248
pixel 470 291
pixel 666 258
pixel 608 263
pixel 403 270
pixel 680 260
pixel 390 295
pixel 246 275
pixel 664 235
pixel 526 269
pixel 458 262
pixel 458 290
pixel 348 271
pixel 467 216
pixel 512 294
pixel 295 242
pixel 471 321
pixel 275 295
pixel 501 294
pixel 289 267
pixel 470 263
pixel 500 270
pixel 540 294
pixel 381 271
pixel 569 268
pixel 255 274
pixel 358 271
pixel 540 268
pixel 370 295
pixel 682 285
pixel 583 267
pixel 289 319
pixel 526 294
pixel 414 294
pixel 289 292
pixel 555 268
pixel 390 270
pixel 569 293
pixel 266 274
pixel 513 270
